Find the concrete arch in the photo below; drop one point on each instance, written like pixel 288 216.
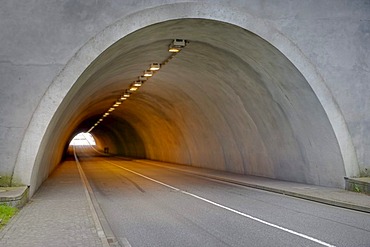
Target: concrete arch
pixel 28 168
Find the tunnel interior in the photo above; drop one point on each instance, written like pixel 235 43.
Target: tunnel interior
pixel 228 101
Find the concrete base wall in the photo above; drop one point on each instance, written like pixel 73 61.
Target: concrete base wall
pixel 359 185
pixel 14 196
pixel 45 48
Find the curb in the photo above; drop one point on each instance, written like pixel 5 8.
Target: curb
pixel 18 200
pixel 358 185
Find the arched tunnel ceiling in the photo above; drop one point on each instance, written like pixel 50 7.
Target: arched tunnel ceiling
pixel 228 101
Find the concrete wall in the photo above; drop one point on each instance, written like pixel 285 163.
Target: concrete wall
pixel 47 48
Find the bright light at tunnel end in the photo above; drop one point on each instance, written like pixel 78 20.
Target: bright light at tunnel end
pixel 83 139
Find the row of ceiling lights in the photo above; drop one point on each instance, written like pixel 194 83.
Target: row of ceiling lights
pixel 175 47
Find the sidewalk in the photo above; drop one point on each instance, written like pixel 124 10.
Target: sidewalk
pixel 57 215
pixel 332 196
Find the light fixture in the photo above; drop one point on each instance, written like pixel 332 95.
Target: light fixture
pixel 133 88
pixel 117 104
pixel 100 120
pixel 123 97
pixel 137 84
pixel 142 78
pixel 148 73
pixel 126 95
pixel 177 45
pixel 154 66
pixel 111 109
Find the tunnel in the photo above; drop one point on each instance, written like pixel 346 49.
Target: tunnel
pixel 228 101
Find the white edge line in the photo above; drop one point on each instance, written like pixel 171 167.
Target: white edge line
pixel 227 208
pixel 125 242
pixel 88 190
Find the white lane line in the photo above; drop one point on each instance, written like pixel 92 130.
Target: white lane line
pixel 125 243
pixel 141 175
pixel 227 208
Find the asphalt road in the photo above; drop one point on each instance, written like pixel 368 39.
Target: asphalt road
pixel 148 205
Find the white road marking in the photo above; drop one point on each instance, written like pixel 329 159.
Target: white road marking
pixel 227 208
pixel 124 242
pixel 88 191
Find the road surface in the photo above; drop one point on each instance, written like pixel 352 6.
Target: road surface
pixel 148 205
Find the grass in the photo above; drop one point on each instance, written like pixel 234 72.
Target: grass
pixel 6 213
pixel 357 188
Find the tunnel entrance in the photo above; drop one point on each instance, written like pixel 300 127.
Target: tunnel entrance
pixel 83 139
pixel 230 101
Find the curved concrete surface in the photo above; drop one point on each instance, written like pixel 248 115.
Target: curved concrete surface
pixel 230 100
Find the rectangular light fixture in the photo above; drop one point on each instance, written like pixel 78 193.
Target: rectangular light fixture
pixel 154 66
pixel 142 78
pixel 133 88
pixel 177 45
pixel 126 95
pixel 148 73
pixel 173 49
pixel 137 84
pixel 117 104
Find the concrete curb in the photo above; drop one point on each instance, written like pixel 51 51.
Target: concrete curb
pixel 358 184
pixel 14 196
